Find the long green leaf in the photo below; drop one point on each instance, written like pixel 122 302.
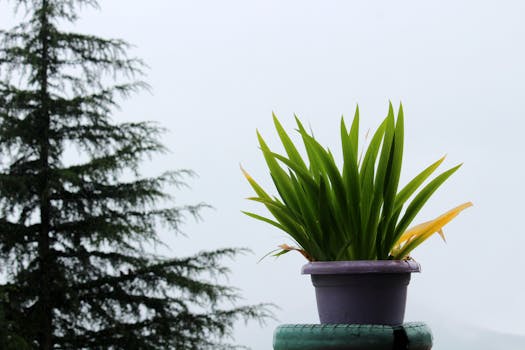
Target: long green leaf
pixel 289 221
pixel 414 184
pixel 392 176
pixel 367 185
pixel 354 134
pixel 279 176
pixel 338 194
pixel 297 169
pixel 349 144
pixel 309 198
pixel 383 168
pixel 421 198
pixel 315 163
pixel 256 187
pixel 265 219
pixel 290 148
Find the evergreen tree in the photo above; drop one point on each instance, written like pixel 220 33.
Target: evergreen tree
pixel 72 234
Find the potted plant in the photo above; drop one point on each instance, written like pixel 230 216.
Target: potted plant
pixel 351 223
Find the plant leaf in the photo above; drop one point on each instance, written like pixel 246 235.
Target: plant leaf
pixel 291 151
pixel 414 184
pixel 421 198
pixel 418 234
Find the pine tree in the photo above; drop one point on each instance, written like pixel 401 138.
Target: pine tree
pixel 73 235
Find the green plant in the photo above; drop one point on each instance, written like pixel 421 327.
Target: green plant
pixel 356 213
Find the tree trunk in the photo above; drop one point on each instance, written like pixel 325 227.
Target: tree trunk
pixel 45 309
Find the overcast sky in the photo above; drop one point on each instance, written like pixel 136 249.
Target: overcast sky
pixel 219 68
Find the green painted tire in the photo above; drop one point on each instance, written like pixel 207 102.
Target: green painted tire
pixel 410 336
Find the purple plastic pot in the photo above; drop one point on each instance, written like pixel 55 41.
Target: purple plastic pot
pixel 361 292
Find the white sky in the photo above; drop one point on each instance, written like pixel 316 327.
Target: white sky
pixel 219 68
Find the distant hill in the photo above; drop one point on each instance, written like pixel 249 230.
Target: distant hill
pixel 475 339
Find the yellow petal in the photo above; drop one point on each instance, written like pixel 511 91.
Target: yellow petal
pixel 419 233
pixel 413 231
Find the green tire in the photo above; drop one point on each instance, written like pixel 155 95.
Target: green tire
pixel 410 336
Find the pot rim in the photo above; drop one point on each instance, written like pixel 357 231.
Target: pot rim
pixel 360 267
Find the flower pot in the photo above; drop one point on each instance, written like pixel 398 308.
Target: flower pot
pixel 361 292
